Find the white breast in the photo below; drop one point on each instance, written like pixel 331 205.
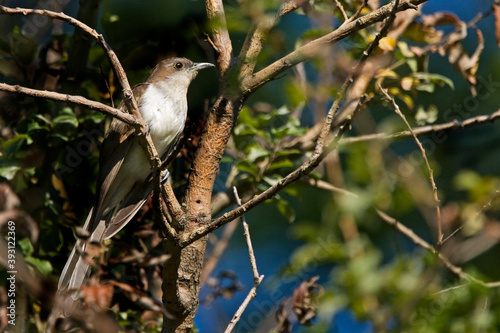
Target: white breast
pixel 164 109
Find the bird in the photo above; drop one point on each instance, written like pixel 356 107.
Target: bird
pixel 124 178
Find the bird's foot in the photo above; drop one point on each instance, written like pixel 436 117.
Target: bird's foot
pixel 148 129
pixel 164 176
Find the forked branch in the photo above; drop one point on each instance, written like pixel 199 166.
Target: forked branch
pixel 321 151
pixel 257 279
pixel 309 50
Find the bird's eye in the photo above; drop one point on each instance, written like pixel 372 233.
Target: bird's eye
pixel 178 65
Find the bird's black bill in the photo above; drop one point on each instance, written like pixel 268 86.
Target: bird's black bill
pixel 200 65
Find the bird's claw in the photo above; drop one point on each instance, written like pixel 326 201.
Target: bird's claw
pixel 164 176
pixel 148 129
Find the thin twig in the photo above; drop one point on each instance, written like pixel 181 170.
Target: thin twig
pixel 423 244
pixel 488 204
pixel 325 131
pixel 257 279
pixel 423 130
pixel 358 12
pixel 452 234
pixel 341 8
pixel 247 238
pixel 323 185
pixel 307 167
pixel 424 155
pixel 483 209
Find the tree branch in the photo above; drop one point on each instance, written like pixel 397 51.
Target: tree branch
pixel 181 274
pixel 423 130
pixel 220 35
pixel 257 279
pixel 257 34
pixel 78 100
pixel 310 49
pixel 423 244
pixel 320 153
pixel 424 155
pixel 115 63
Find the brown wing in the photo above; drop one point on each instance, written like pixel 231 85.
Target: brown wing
pixel 136 198
pixel 114 148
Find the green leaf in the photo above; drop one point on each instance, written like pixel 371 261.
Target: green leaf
pixel 413 64
pixel 245 117
pixel 227 159
pixel 428 116
pixel 247 129
pixel 307 232
pixel 8 172
pixel 256 152
pixel 42 119
pixel 26 247
pixel 280 164
pixel 287 152
pixel 295 93
pixel 272 180
pixel 91 89
pixel 426 86
pixel 38 122
pixel 60 136
pixel 282 111
pixel 18 139
pixel 292 127
pixel 435 78
pixel 34 126
pixel 286 209
pixel 66 117
pixel 44 266
pixel 246 166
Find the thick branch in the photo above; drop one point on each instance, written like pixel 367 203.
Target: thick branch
pixel 312 48
pixel 220 35
pixel 181 274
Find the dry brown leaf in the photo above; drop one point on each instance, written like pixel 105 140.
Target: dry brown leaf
pixel 98 295
pixel 441 18
pixel 464 64
pixel 304 300
pixel 387 44
pixel 284 325
pixel 407 83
